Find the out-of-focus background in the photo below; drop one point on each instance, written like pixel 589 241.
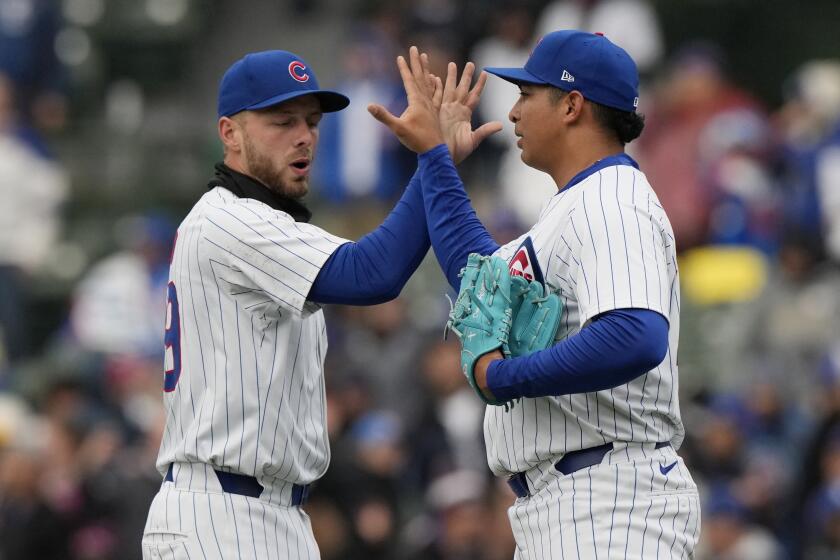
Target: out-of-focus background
pixel 107 137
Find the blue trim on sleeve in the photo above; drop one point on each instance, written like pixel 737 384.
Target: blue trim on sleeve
pixel 615 348
pixel 375 268
pixel 454 229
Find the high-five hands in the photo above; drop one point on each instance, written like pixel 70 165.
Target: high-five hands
pixel 456 109
pixel 418 127
pixel 437 113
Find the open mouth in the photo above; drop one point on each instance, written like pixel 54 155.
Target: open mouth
pixel 301 166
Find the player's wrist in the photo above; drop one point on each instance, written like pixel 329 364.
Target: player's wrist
pixel 435 152
pixel 482 373
pixel 495 384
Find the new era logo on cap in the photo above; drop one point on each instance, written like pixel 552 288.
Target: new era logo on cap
pixel 585 62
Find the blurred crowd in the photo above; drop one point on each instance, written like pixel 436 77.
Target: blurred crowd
pixel 752 190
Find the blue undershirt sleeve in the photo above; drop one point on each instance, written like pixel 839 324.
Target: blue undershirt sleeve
pixel 615 348
pixel 376 267
pixel 454 229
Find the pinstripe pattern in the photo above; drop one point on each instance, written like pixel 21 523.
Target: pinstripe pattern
pixel 242 528
pixel 240 268
pixel 604 243
pixel 598 512
pixel 250 397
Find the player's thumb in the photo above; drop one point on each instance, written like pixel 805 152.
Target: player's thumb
pixel 383 115
pixel 486 130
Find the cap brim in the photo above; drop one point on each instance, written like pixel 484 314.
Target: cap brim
pixel 516 75
pixel 331 101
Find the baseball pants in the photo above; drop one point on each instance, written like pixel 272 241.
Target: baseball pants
pixel 191 518
pixel 639 502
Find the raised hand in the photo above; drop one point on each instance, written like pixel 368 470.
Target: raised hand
pixel 417 127
pixel 456 109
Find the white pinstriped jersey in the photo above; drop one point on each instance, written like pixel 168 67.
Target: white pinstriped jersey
pixel 245 350
pixel 604 243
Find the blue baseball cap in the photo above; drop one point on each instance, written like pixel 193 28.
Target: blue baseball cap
pixel 587 62
pixel 262 79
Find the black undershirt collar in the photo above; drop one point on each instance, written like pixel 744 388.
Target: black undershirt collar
pixel 244 186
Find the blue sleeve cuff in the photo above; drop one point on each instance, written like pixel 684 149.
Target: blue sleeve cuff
pixel 436 153
pixel 495 381
pixel 617 347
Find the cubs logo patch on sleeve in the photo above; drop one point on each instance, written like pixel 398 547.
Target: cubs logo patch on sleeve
pixel 524 263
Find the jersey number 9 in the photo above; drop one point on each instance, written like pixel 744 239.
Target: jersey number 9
pixel 172 341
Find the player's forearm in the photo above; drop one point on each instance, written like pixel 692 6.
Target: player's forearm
pixel 376 268
pixel 614 349
pixel 454 229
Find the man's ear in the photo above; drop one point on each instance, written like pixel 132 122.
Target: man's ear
pixel 572 106
pixel 230 133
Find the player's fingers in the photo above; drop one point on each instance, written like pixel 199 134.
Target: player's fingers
pixel 484 131
pixel 384 116
pixel 427 74
pixel 466 80
pixel 407 77
pixel 437 98
pixel 416 67
pixel 475 93
pixel 451 81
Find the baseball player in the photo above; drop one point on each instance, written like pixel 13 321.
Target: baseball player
pixel 588 441
pixel 245 338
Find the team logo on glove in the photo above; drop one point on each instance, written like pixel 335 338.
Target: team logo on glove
pixel 524 263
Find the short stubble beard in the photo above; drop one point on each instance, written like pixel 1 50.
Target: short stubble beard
pixel 261 168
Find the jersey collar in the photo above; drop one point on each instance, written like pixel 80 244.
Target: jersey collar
pixel 244 186
pixel 609 161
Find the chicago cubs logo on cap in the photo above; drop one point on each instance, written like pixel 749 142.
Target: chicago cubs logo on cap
pixel 257 81
pixel 298 71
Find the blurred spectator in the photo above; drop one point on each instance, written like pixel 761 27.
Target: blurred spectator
pixel 809 124
pixel 717 455
pixel 360 493
pixel 820 463
pixel 507 44
pixel 28 31
pixel 733 155
pixel 357 158
pixel 671 149
pixel 523 189
pixel 29 528
pixel 631 24
pixel 825 530
pixel 456 530
pixel 381 344
pixel 437 17
pixel 448 434
pixel 119 305
pixel 728 533
pixel 32 188
pixel 799 317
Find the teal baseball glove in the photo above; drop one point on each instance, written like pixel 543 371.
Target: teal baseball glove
pixel 536 317
pixel 495 311
pixel 481 316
